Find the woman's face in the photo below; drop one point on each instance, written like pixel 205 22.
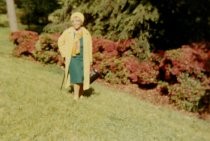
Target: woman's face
pixel 77 23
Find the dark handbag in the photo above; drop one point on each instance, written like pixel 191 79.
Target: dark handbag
pixel 94 74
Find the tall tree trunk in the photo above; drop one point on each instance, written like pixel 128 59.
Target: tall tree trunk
pixel 12 15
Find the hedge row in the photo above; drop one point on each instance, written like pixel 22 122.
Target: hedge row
pixel 182 74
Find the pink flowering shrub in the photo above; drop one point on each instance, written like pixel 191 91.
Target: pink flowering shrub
pixel 186 76
pixel 25 42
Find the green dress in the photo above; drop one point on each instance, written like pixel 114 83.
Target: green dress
pixel 76 68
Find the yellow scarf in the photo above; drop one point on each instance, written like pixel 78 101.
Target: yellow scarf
pixel 76 45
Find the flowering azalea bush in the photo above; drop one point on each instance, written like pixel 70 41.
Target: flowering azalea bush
pixel 25 42
pixel 41 48
pixel 108 59
pixel 185 76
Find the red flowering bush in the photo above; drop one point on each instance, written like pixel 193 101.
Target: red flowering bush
pixel 188 93
pixel 110 58
pixel 132 65
pixel 185 76
pixel 25 42
pixel 148 72
pixel 42 48
pixel 191 59
pixel 104 45
pixel 141 72
pixel 117 64
pixel 105 51
pixel 116 72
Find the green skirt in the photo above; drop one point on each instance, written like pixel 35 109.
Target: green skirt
pixel 76 68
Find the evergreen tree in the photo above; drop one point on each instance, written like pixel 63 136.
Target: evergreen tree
pixel 113 19
pixel 3 8
pixel 36 11
pixel 181 22
pixel 154 24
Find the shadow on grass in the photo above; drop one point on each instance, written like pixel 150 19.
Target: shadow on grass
pixel 87 93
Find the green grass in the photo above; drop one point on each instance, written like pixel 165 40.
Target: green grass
pixel 3 20
pixel 32 108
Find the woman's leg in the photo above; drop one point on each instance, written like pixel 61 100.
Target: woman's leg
pixel 76 91
pixel 81 90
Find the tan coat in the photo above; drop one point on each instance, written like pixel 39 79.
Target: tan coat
pixel 65 43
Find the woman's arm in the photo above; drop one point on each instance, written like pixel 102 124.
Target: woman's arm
pixel 61 44
pixel 90 49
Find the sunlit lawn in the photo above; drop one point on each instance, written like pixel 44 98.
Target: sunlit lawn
pixel 3 20
pixel 32 108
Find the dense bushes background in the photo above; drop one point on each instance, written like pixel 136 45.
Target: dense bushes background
pixel 181 74
pixel 160 46
pixel 155 25
pixel 34 13
pixel 181 22
pixel 41 48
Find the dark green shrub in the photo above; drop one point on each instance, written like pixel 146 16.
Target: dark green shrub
pixel 47 49
pixel 47 57
pixel 47 42
pixel 187 93
pixel 117 73
pixel 34 13
pixel 3 9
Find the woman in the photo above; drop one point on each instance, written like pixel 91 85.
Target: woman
pixel 75 46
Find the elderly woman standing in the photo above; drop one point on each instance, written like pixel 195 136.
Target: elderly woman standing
pixel 75 46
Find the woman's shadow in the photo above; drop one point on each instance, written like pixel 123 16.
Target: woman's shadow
pixel 87 93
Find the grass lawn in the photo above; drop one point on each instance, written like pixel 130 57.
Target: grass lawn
pixel 32 108
pixel 3 20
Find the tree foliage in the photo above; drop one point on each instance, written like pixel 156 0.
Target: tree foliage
pixel 181 22
pixel 36 11
pixel 160 25
pixel 3 9
pixel 113 19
